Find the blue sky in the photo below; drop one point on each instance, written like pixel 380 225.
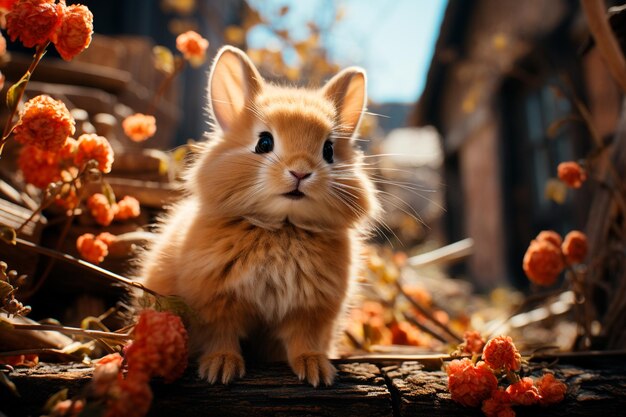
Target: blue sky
pixel 392 39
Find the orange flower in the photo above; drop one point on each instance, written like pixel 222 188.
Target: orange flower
pixel 20 360
pixel 92 146
pixel 131 397
pixel 91 249
pixel 499 405
pixel 107 238
pixel 575 247
pixel 501 353
pixel 159 347
pixel 33 21
pixel 543 262
pixel 523 392
pixel 68 408
pixel 6 5
pixel 127 208
pixel 39 168
pixel 550 236
pixel 100 209
pixel 74 34
pixel 551 390
pixel 473 342
pixel 404 333
pixel 469 385
pixel 68 200
pixel 45 123
pixel 193 47
pixel 572 174
pixel 3 45
pixel 108 372
pixel 68 150
pixel 139 127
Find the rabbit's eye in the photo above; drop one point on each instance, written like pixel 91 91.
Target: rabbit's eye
pixel 328 152
pixel 265 143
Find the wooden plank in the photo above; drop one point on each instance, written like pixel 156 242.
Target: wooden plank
pixel 271 390
pixel 595 386
pixel 601 389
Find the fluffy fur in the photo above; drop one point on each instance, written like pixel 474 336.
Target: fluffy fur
pixel 255 264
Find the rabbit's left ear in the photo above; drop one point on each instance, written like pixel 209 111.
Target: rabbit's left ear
pixel 348 91
pixel 233 84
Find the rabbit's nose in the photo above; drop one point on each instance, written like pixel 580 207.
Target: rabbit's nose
pixel 300 175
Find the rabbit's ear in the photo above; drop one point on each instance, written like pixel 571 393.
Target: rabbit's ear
pixel 348 91
pixel 233 83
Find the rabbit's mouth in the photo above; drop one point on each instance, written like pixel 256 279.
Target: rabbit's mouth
pixel 294 195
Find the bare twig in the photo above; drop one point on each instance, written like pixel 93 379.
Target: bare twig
pixel 595 11
pixel 83 264
pixel 94 334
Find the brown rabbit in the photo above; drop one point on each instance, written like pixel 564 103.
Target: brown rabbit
pixel 267 240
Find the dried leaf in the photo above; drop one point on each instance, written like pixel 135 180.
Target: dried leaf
pixel 5 289
pixel 235 35
pixel 556 191
pixel 54 399
pixel 163 59
pixel 8 235
pixel 107 190
pixel 555 127
pixel 16 90
pixel 4 380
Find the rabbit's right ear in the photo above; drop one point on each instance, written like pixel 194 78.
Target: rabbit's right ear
pixel 233 83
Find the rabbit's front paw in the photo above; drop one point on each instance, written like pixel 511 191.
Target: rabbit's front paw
pixel 221 366
pixel 314 367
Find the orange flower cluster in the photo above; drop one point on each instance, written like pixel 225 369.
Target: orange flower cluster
pixel 104 212
pixel 193 47
pixel 29 361
pixel 501 354
pixel 139 127
pixel 473 343
pixel 39 167
pixel 45 123
pixel 37 22
pixel 572 174
pixel 127 208
pixel 470 385
pixel 123 397
pixel 91 146
pixel 101 209
pixel 68 408
pixel 94 248
pixel 159 347
pixel 548 255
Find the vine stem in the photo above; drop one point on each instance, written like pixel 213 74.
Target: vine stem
pixel 94 334
pixel 33 247
pixel 8 127
pixel 167 81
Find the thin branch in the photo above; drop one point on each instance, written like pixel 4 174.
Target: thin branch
pixel 94 334
pixel 455 337
pixel 595 11
pixel 83 264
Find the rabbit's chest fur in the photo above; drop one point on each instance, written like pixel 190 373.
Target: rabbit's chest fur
pixel 269 272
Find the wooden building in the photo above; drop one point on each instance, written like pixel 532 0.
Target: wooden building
pixel 503 76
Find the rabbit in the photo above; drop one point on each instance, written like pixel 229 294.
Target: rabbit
pixel 266 243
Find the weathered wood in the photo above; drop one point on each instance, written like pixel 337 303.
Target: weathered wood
pixel 590 391
pixel 271 390
pixel 361 389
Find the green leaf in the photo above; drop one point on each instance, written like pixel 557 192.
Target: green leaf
pixel 5 289
pixel 107 190
pixel 16 91
pixel 8 235
pixel 54 399
pixel 4 380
